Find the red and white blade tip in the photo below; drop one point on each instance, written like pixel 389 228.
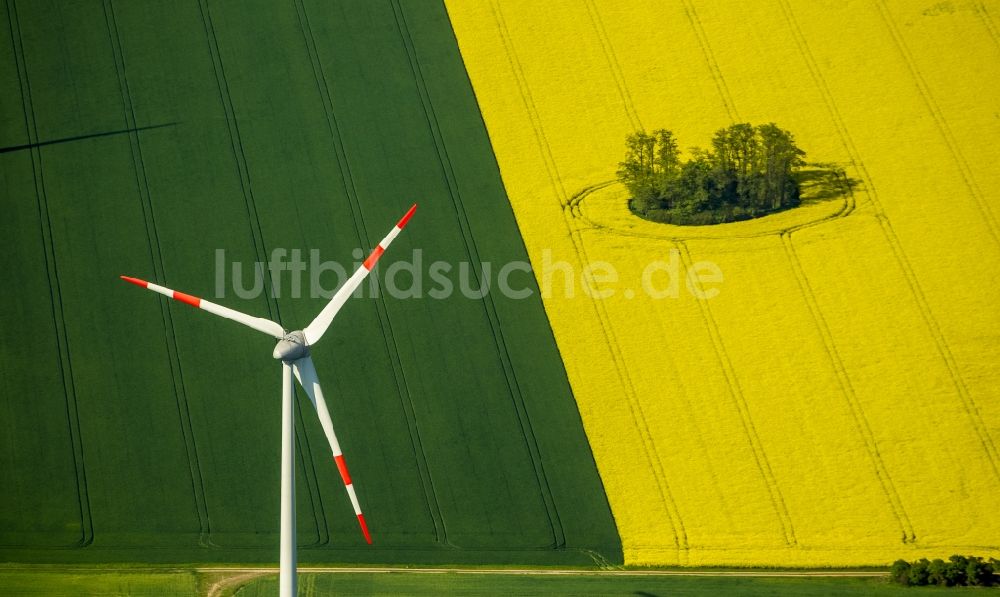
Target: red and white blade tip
pixel 406 217
pixel 364 528
pixel 135 281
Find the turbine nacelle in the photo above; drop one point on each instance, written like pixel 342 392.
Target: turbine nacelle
pixel 292 347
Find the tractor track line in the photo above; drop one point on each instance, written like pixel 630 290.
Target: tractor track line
pixel 52 272
pixel 576 210
pixel 635 406
pixel 847 391
pixel 713 66
pixel 733 383
pixel 896 504
pixel 735 389
pixel 489 305
pixel 964 170
pixel 159 270
pixel 239 156
pixel 260 249
pixel 991 28
pixel 743 409
pixel 894 243
pixel 392 351
pixel 613 64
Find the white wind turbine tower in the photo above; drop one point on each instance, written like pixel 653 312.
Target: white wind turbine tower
pixel 293 352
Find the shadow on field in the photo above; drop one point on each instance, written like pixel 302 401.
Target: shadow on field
pixel 823 182
pixel 82 137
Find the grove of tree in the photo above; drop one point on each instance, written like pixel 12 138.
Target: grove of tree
pixel 748 172
pixel 958 571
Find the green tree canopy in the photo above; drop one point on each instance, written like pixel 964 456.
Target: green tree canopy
pixel 748 172
pixel 958 571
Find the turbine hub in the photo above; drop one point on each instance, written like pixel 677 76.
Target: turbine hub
pixel 292 347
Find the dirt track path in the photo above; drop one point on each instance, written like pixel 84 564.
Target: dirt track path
pixel 554 572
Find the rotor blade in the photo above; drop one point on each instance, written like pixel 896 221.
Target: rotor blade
pixel 318 327
pixel 258 323
pixel 305 371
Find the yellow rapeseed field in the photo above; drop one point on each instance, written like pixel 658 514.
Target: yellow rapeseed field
pixel 837 401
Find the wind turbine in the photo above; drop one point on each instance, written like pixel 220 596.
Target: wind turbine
pixel 293 351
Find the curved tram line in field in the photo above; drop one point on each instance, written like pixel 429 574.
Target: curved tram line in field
pixel 621 222
pixel 610 213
